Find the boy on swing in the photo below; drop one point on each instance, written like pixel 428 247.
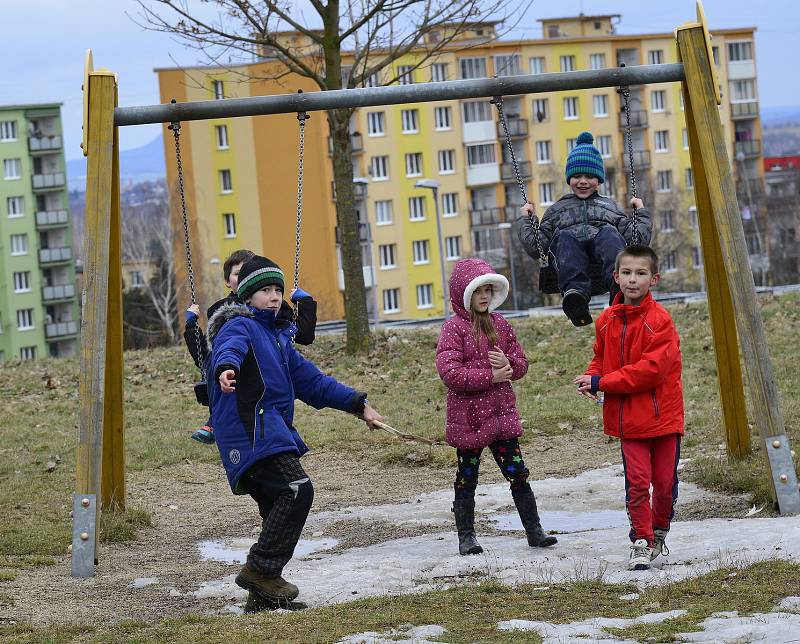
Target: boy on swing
pixel 581 227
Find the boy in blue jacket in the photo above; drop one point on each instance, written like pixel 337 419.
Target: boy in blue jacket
pixel 255 374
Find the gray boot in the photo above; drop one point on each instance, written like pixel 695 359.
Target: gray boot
pixel 526 506
pixel 464 510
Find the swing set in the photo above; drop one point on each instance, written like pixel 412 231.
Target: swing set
pixel 733 307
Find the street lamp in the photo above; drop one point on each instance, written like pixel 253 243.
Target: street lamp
pixel 433 185
pixel 506 225
pixel 363 181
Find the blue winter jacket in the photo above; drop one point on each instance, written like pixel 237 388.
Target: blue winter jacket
pixel 256 420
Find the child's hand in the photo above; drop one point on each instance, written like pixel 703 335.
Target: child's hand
pixel 369 415
pixel 502 374
pixel 227 382
pixel 498 359
pixel 528 211
pixel 194 308
pixel 637 203
pixel 584 383
pixel 298 294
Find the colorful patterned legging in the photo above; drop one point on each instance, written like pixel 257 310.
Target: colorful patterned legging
pixel 508 456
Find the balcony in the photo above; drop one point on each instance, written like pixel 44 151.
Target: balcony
pixel 55 255
pixel 748 148
pixel 363 233
pixel 60 330
pixel 48 218
pixel 517 129
pixel 48 181
pixel 368 272
pixel 744 110
pixel 641 159
pixel 486 216
pixel 497 257
pixel 356 144
pixel 751 187
pixel 359 191
pixel 61 292
pixel 44 143
pixel 638 119
pixel 507 173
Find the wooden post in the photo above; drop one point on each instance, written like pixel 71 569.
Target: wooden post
pixel 710 157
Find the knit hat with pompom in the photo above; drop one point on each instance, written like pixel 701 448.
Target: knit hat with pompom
pixel 584 158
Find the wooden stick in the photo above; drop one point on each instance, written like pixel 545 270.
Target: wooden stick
pixel 405 435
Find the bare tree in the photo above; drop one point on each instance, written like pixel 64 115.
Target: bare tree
pixel 368 34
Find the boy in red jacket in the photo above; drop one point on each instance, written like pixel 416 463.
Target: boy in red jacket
pixel 637 365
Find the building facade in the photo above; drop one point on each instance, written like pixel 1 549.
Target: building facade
pixel 38 303
pixel 461 146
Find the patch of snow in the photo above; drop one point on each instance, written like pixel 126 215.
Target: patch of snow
pixel 235 550
pixel 629 597
pixel 565 522
pixel 141 582
pixel 789 604
pixel 413 635
pixel 776 628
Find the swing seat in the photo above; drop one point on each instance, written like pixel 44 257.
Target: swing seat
pixel 201 392
pixel 548 279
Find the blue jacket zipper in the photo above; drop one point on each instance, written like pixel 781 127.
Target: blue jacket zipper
pixel 261 423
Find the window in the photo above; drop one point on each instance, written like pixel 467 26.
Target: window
pixel 19 244
pixel 740 51
pixel 376 124
pixel 473 67
pixel 424 296
pixel 222 136
pixel 600 105
pixel 476 111
pixel 27 353
pixel 664 180
pixel 541 109
pixel 225 182
pixel 570 145
pixel 597 61
pixel 8 130
pixel 414 164
pixel 670 261
pixel 229 221
pixel 24 319
pixel 655 57
pixel 15 206
pixel 449 204
pixel 567 63
pixel 383 212
pixel 405 74
pixel 481 154
pixel 662 140
pixel 22 282
pixel 543 152
pixel 373 80
pixel 697 257
pixel 507 65
pixel 136 279
pixel 439 72
pixel 688 176
pixel 693 216
pixel 667 221
pixel 409 121
pixel 604 145
pixel 571 108
pixel 441 118
pixel 743 91
pixel 685 136
pixel 12 168
pixel 218 89
pixel 391 300
pixel 537 65
pixel 680 98
pixel 379 168
pixel 658 100
pixel 416 208
pixel 387 256
pixel 546 193
pixel 452 247
pixel 419 251
pixel 447 161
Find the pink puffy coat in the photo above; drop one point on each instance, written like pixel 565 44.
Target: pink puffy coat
pixel 479 412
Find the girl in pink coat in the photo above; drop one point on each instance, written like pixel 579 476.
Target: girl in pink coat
pixel 477 358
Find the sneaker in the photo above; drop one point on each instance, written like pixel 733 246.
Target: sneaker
pixel 204 435
pixel 641 555
pixel 576 307
pixel 271 588
pixel 660 543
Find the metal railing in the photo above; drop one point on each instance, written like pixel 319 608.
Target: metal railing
pixel 749 148
pixel 359 191
pixel 60 292
pixel 52 217
pixel 638 119
pixel 363 233
pixel 50 255
pixel 44 143
pixel 356 143
pixel 486 216
pixel 641 159
pixel 507 171
pixel 49 180
pixel 517 129
pixel 60 329
pixel 744 110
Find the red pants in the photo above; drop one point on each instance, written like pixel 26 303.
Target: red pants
pixel 650 461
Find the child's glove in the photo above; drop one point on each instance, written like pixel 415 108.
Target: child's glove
pixel 191 316
pixel 298 294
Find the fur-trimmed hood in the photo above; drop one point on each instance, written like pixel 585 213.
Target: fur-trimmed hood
pixel 469 274
pixel 222 315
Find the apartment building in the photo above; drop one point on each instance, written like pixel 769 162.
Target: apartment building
pixel 461 145
pixel 38 304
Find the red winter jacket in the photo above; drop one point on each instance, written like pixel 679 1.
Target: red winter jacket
pixel 637 354
pixel 479 411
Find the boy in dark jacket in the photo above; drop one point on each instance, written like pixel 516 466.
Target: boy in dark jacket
pixel 637 364
pixel 195 339
pixel 255 374
pixel 581 227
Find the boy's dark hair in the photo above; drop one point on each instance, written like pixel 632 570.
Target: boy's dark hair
pixel 637 250
pixel 236 257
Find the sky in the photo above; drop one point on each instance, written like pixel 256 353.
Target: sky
pixel 49 39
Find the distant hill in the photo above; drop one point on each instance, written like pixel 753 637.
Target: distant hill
pixel 781 130
pixel 774 116
pixel 136 165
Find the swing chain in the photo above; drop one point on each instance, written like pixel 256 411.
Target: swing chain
pixel 175 126
pixel 626 92
pixel 302 117
pixel 497 101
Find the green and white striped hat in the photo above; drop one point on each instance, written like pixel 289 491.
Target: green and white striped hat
pixel 255 274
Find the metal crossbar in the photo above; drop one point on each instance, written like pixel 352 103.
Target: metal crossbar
pixel 398 94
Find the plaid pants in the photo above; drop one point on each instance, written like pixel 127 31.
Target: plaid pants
pixel 284 494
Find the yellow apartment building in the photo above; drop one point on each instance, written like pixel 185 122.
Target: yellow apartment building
pixel 241 174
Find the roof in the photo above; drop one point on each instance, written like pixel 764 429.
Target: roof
pixel 582 17
pixel 31 106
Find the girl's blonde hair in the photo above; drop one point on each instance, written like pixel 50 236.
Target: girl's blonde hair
pixel 482 323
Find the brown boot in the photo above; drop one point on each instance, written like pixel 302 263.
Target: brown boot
pixel 271 588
